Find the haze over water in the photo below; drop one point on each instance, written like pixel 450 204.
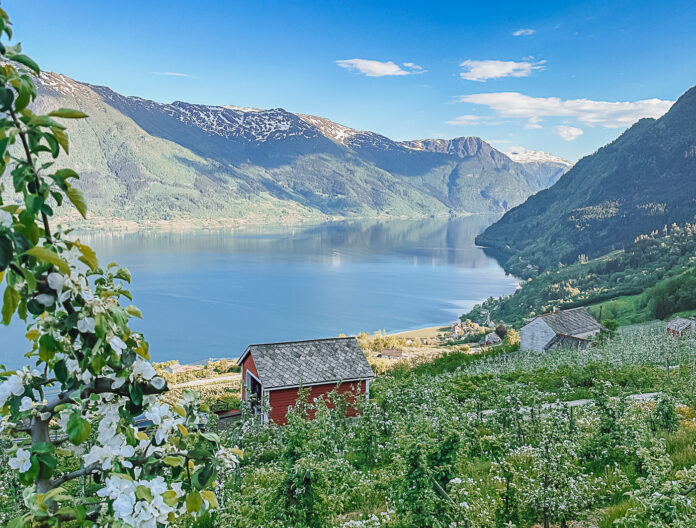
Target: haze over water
pixel 210 293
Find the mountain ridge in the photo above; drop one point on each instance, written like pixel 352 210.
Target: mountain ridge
pixel 206 161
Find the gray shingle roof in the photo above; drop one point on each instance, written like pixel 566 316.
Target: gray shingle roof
pixel 679 324
pixel 309 362
pixel 571 322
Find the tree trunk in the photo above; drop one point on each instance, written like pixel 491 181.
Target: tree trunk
pixel 39 433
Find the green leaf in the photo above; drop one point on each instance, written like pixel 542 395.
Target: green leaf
pixel 18 522
pixel 78 200
pixel 210 497
pixel 33 203
pixel 174 461
pixel 67 113
pixel 9 304
pixel 144 493
pixel 29 476
pixel 27 61
pixel 61 370
pixel 204 476
pixel 64 174
pixel 47 255
pixel 47 347
pixel 134 311
pixel 45 121
pixel 89 257
pixel 123 274
pixel 78 429
pixel 43 447
pixel 6 98
pixel 193 502
pixel 136 394
pixel 170 498
pixel 61 137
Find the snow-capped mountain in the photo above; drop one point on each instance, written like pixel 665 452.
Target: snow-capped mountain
pixel 143 159
pixel 549 168
pixel 522 155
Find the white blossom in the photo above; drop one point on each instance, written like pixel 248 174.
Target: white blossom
pixel 13 386
pixel 21 461
pixel 117 345
pixel 27 404
pixel 143 369
pixel 86 325
pixel 45 299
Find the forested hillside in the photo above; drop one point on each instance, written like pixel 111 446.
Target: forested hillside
pixel 656 271
pixel 638 184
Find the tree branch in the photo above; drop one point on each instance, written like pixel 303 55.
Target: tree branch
pixel 67 477
pixel 30 161
pixel 98 386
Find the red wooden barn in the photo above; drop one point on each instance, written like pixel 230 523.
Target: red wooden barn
pixel 278 370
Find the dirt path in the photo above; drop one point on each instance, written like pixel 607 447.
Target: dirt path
pixel 579 403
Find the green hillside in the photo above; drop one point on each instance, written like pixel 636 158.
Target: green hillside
pixel 638 184
pixel 651 278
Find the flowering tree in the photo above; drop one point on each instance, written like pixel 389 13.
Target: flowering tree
pixel 73 416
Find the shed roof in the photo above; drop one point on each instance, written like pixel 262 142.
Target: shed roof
pixel 679 324
pixel 295 363
pixel 571 322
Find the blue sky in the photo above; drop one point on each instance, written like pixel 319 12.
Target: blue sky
pixel 532 74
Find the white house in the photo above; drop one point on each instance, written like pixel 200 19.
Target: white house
pixel 565 328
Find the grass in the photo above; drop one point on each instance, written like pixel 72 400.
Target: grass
pixel 623 310
pixel 612 513
pixel 680 446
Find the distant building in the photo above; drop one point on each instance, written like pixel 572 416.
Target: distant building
pixel 278 370
pixel 491 339
pixel 679 326
pixel 457 331
pixel 561 329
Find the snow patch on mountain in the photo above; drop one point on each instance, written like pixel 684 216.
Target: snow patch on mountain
pixel 522 155
pixel 61 84
pixel 334 131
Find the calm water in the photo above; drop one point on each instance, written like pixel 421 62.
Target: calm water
pixel 210 293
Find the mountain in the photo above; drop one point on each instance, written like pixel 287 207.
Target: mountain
pixel 146 161
pixel 637 185
pixel 548 167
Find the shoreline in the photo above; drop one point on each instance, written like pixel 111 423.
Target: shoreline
pixel 120 225
pixel 421 332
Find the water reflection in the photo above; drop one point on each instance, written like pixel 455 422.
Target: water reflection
pixel 210 293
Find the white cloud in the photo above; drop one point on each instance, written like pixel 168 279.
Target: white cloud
pixel 373 68
pixel 524 32
pixel 482 70
pixel 586 111
pixel 473 120
pixel 567 133
pixel 465 120
pixel 172 74
pixel 533 123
